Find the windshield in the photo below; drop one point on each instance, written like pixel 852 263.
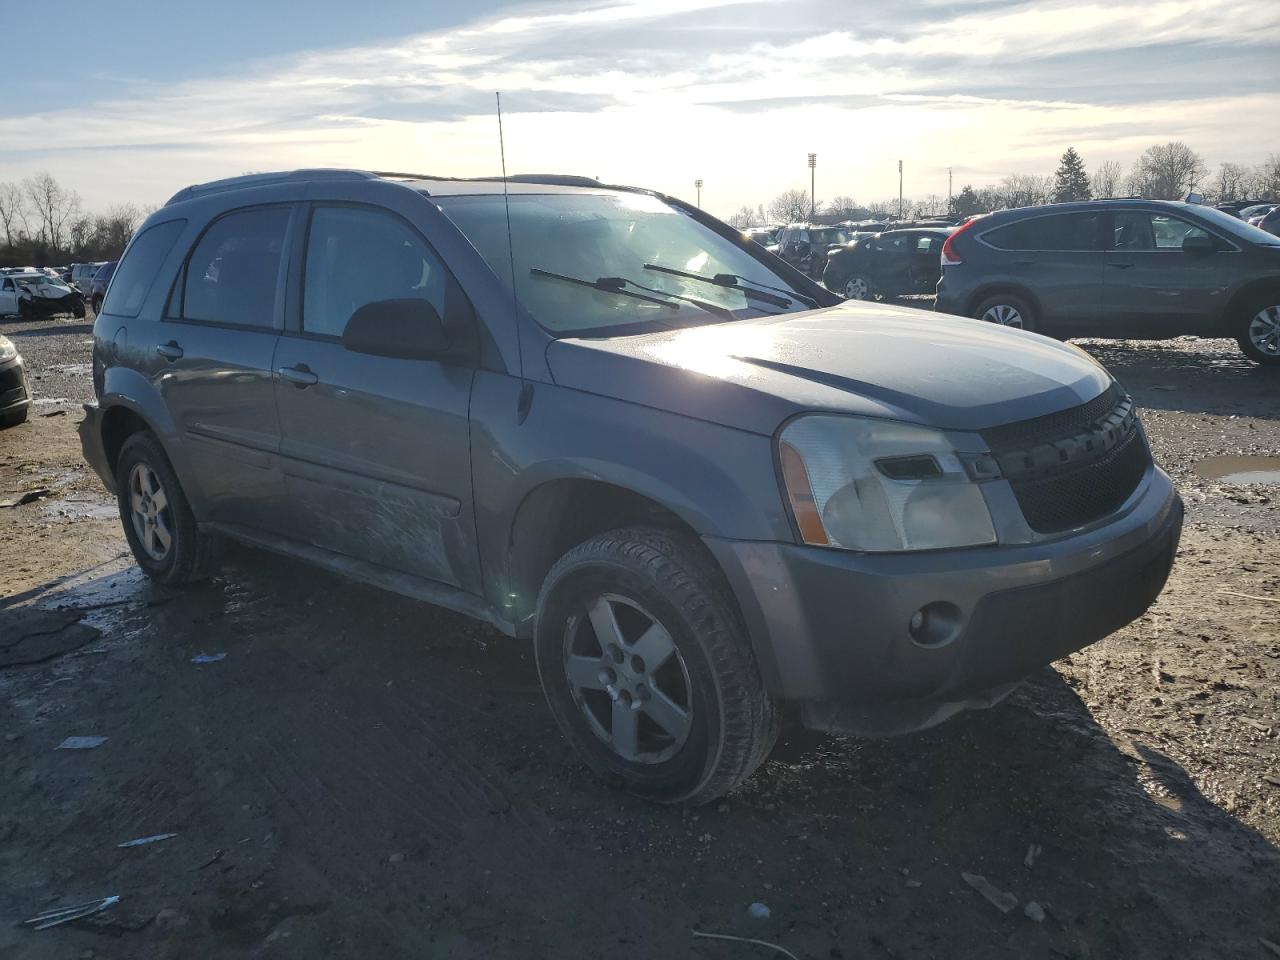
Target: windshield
pixel 1237 227
pixel 612 236
pixel 829 236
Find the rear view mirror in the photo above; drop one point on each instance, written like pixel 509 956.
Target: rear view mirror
pixel 410 329
pixel 1198 244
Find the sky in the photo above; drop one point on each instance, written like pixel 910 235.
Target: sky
pixel 655 93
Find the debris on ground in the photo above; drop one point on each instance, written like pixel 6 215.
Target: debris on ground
pixel 38 635
pixel 53 918
pixel 1033 851
pixel 759 943
pixel 208 657
pixel 759 911
pixel 31 496
pixel 1033 911
pixel 81 743
pixel 143 841
pixel 998 898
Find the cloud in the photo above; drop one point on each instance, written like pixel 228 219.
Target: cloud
pixel 733 91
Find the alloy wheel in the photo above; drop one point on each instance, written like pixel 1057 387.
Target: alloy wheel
pixel 1264 331
pixel 856 288
pixel 1003 314
pixel 149 512
pixel 628 679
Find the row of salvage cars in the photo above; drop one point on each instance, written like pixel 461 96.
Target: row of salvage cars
pixel 33 294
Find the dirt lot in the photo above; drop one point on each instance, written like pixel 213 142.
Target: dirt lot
pixel 364 776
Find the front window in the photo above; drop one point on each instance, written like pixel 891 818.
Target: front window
pixel 620 249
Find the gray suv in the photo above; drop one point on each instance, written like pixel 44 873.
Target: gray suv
pixel 1149 269
pixel 604 421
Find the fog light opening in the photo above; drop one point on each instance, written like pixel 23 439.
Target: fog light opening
pixel 935 624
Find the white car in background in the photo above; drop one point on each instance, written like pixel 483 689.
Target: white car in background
pixel 35 294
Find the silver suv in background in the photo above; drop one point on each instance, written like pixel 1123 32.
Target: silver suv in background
pixel 608 424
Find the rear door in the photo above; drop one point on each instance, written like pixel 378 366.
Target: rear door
pixel 8 297
pixel 1058 258
pixel 926 262
pixel 1154 288
pixel 215 347
pixel 891 263
pixel 376 450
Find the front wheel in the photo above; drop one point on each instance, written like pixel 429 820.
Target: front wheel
pixel 858 287
pixel 1259 337
pixel 647 669
pixel 77 308
pixel 1007 310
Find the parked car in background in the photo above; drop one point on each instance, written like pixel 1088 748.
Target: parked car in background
pixel 703 487
pixel 1271 222
pixel 1244 209
pixel 34 294
pixel 82 275
pixel 1118 268
pixel 98 289
pixel 804 246
pixel 889 264
pixel 1257 215
pixel 15 389
pixel 764 236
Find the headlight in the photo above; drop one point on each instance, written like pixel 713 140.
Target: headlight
pixel 7 350
pixel 878 485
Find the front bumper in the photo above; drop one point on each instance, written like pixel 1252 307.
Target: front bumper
pixel 95 453
pixel 15 391
pixel 831 629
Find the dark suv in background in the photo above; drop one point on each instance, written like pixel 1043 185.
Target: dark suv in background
pixel 1147 269
pixel 805 246
pixel 889 264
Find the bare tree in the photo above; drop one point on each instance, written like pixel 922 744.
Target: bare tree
pixel 1232 182
pixel 53 207
pixel 790 206
pixel 1105 179
pixel 1025 190
pixel 1167 171
pixel 1266 178
pixel 742 219
pixel 13 213
pixel 845 207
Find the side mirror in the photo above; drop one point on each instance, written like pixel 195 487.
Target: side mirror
pixel 1198 244
pixel 408 329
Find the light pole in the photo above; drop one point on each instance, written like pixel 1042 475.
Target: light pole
pixel 900 210
pixel 697 185
pixel 813 201
pixel 950 202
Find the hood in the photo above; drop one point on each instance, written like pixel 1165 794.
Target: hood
pixel 858 358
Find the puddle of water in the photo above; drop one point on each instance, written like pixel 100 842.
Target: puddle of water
pixel 1241 469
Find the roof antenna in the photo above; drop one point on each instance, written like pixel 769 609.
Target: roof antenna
pixel 526 390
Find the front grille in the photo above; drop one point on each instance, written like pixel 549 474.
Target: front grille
pixel 1073 467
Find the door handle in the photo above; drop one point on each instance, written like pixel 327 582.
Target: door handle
pixel 1120 266
pixel 170 350
pixel 300 376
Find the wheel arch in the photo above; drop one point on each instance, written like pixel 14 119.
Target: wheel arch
pixel 1005 286
pixel 1233 312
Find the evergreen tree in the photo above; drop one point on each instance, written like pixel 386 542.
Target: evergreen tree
pixel 1071 182
pixel 966 203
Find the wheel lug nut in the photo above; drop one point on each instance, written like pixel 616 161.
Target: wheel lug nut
pixel 608 677
pixel 637 664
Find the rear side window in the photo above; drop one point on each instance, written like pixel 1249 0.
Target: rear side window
pixel 359 255
pixel 1062 232
pixel 137 271
pixel 231 275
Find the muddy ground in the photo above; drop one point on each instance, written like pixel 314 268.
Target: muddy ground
pixel 364 776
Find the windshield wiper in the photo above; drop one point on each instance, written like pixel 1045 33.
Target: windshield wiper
pixel 734 281
pixel 617 285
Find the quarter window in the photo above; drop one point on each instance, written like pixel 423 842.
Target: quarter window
pixel 137 271
pixel 360 255
pixel 1058 232
pixel 231 275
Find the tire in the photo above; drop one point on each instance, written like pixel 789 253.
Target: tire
pixel 1007 310
pixel 143 470
pixel 630 581
pixel 13 419
pixel 77 308
pixel 97 306
pixel 1259 330
pixel 25 310
pixel 858 286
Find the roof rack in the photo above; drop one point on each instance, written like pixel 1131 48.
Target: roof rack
pixel 262 179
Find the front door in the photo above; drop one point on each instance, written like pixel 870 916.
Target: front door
pixel 212 356
pixel 376 450
pixel 1153 287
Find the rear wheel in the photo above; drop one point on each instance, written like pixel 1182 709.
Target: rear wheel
pixel 158 522
pixel 1259 336
pixel 858 287
pixel 1007 310
pixel 77 308
pixel 647 670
